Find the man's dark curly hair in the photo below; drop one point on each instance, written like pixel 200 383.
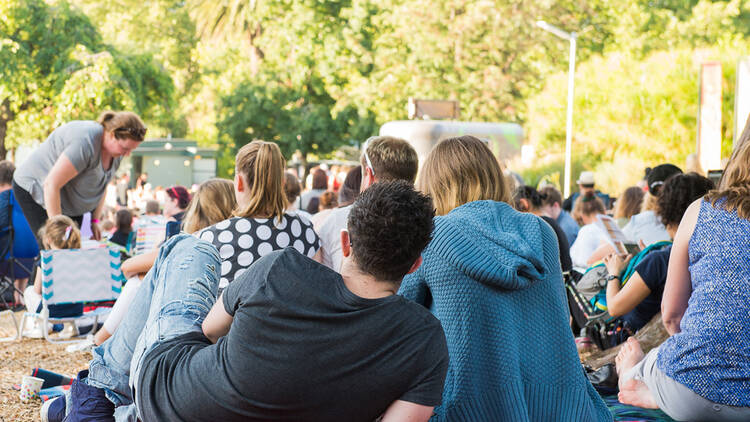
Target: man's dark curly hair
pixel 677 193
pixel 389 225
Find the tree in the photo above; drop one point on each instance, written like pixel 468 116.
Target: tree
pixel 297 119
pixel 54 67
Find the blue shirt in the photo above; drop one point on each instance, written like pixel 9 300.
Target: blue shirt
pixel 711 353
pixel 569 226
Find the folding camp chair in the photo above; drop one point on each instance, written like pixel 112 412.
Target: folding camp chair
pixel 18 249
pixel 149 237
pixel 77 276
pixel 601 328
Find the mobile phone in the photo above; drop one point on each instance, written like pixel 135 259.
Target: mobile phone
pixel 632 248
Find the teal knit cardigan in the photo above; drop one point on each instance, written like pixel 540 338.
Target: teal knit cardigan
pixel 492 276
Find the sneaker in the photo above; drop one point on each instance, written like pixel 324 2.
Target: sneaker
pixel 53 410
pixel 81 346
pixel 33 329
pixel 69 331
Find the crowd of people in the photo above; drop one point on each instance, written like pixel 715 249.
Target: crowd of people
pixel 395 289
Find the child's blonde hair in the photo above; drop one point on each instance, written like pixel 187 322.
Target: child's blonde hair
pixel 60 232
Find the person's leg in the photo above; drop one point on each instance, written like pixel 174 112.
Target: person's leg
pixel 119 310
pixel 110 367
pixel 35 214
pixel 645 385
pixel 185 290
pixel 629 364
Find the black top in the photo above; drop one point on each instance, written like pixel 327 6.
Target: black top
pixel 653 271
pixel 301 347
pixel 120 238
pixel 562 243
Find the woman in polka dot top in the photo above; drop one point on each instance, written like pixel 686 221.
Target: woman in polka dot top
pixel 260 224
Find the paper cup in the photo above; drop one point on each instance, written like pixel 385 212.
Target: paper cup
pixel 30 387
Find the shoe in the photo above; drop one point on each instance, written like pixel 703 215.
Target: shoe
pixel 33 329
pixel 69 331
pixel 82 346
pixel 53 410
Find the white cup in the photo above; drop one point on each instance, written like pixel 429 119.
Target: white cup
pixel 30 387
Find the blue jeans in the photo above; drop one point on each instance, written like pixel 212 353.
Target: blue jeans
pixel 173 299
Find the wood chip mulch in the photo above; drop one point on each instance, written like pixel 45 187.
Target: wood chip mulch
pixel 18 358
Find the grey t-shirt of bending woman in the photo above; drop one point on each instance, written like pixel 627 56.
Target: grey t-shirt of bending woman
pixel 81 143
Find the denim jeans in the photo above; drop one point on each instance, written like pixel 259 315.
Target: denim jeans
pixel 173 299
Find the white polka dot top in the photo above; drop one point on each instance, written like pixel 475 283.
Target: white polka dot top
pixel 241 241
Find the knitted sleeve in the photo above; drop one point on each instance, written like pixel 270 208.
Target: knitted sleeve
pixel 414 287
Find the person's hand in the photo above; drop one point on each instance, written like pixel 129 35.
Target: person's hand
pixel 95 232
pixel 641 244
pixel 616 263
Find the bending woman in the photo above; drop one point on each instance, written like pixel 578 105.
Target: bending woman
pixel 491 275
pixel 69 172
pixel 702 372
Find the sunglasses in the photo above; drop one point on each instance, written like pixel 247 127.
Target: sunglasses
pixel 367 157
pixel 133 132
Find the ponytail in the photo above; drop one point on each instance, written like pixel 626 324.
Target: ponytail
pixel 261 165
pixel 124 124
pixel 61 232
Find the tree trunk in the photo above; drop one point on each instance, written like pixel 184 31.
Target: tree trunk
pixel 5 116
pixel 256 54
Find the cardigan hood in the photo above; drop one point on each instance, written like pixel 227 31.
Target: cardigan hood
pixel 492 243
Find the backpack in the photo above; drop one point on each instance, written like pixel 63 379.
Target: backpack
pixel 599 300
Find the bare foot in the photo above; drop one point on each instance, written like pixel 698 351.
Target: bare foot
pixel 630 354
pixel 636 393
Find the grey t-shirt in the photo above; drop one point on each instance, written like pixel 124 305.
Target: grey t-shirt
pixel 81 143
pixel 302 347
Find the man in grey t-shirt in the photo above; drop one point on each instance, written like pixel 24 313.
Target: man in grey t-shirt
pixel 69 172
pixel 385 158
pixel 305 343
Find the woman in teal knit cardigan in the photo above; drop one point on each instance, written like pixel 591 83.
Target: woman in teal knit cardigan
pixel 492 276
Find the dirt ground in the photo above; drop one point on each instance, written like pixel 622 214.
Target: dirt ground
pixel 18 358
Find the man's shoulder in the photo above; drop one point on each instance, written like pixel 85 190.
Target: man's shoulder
pixel 418 314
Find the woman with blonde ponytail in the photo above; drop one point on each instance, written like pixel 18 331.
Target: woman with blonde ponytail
pixel 260 224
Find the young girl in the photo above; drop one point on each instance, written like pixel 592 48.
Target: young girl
pixel 60 232
pixel 261 224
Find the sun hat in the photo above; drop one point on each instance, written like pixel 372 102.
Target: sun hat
pixel 586 178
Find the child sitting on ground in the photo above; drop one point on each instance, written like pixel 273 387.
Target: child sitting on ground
pixel 60 232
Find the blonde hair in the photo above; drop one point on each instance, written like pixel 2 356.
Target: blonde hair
pixel 261 165
pixel 649 202
pixel 461 170
pixel 213 202
pixel 60 232
pixel 124 124
pixel 734 187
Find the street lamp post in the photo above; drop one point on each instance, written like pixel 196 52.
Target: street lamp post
pixel 570 36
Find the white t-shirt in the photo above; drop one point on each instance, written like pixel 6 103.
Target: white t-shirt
pixel 588 240
pixel 647 227
pixel 330 237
